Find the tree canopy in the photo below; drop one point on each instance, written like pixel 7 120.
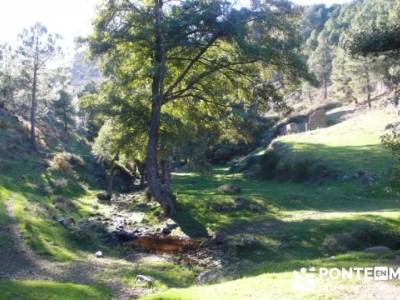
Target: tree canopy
pixel 192 55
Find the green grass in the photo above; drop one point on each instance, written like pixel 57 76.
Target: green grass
pixel 24 182
pixel 168 274
pixel 50 290
pixel 295 218
pixel 349 146
pixel 290 221
pixel 295 221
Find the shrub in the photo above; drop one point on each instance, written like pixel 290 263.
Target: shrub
pixel 392 142
pixel 268 164
pixel 59 185
pixel 339 243
pixel 364 235
pixel 64 162
pixel 61 163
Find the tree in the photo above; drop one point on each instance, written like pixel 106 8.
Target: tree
pixel 37 47
pixel 341 76
pixel 107 147
pixel 320 63
pixel 64 109
pixel 206 53
pixel 9 81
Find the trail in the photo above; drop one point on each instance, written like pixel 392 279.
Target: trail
pixel 19 262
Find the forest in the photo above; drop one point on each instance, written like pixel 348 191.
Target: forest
pixel 203 149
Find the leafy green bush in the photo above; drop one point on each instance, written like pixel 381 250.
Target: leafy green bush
pixel 392 142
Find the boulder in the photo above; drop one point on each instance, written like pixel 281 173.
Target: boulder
pixel 99 254
pixel 229 189
pixel 377 249
pixel 316 120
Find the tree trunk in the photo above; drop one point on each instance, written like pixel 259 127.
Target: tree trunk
pixel 65 121
pixel 325 89
pixel 159 192
pixel 33 107
pixel 166 172
pixel 368 89
pixel 110 184
pixel 140 170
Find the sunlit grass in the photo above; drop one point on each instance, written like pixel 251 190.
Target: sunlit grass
pixel 50 290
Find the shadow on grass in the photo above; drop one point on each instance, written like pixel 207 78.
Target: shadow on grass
pixel 299 244
pixel 189 224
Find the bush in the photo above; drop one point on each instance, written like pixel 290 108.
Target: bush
pixel 268 164
pixel 392 142
pixel 363 236
pixel 339 243
pixel 64 162
pixel 59 185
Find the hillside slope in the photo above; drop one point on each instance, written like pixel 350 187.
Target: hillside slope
pixel 349 145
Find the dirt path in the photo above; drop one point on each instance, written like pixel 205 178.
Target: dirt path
pixel 18 261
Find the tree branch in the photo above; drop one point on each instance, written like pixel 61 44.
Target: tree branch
pixel 190 66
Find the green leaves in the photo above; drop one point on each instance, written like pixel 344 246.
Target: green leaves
pixel 215 57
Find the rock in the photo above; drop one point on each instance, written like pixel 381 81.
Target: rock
pixel 99 254
pixel 144 279
pixel 377 249
pixel 317 120
pixel 103 196
pixel 229 189
pixel 218 237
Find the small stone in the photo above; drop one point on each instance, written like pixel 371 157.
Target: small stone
pixel 99 254
pixel 144 279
